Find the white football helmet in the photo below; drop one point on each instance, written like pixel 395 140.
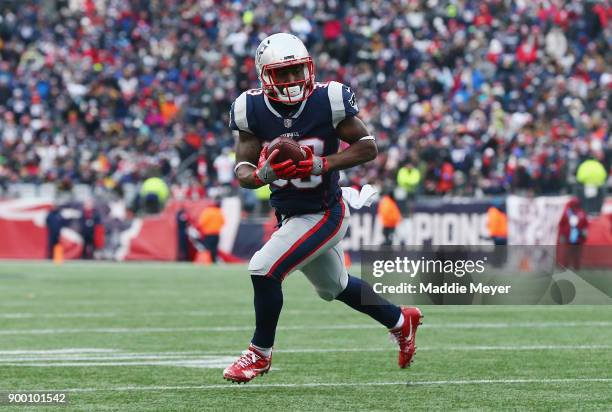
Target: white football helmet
pixel 278 51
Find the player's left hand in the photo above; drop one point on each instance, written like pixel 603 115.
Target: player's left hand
pixel 267 171
pixel 312 165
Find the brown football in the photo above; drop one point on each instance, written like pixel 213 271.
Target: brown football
pixel 287 149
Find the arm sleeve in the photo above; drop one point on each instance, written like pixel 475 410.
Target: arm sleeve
pixel 342 101
pixel 239 119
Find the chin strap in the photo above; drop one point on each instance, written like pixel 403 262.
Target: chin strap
pixel 287 98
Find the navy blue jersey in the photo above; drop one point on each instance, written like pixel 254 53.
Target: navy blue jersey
pixel 313 124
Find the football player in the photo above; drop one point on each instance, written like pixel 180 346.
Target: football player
pixel 312 214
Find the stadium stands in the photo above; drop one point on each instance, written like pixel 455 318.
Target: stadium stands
pixel 485 97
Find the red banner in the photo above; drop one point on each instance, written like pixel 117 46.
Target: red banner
pixel 24 234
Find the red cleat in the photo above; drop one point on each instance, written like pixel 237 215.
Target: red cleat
pixel 406 334
pixel 249 365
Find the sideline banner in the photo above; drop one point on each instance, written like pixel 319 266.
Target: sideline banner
pixel 444 222
pixel 534 221
pixel 24 231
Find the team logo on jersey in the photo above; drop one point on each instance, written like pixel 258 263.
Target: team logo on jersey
pixel 288 123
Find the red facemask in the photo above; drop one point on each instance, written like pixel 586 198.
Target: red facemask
pixel 274 87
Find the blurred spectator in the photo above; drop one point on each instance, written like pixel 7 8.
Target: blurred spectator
pixel 497 224
pixel 91 230
pixel 182 223
pixel 249 200
pixel 263 196
pixel 224 166
pixel 592 176
pixel 153 195
pixel 54 223
pixel 210 223
pixel 573 228
pixel 389 216
pixel 591 173
pixel 408 178
pixel 445 178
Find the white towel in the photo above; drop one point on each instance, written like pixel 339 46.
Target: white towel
pixel 358 199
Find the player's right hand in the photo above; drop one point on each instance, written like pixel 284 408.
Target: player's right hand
pixel 267 171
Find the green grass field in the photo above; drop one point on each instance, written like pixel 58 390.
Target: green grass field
pixel 157 336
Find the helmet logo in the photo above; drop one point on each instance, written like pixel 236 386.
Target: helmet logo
pixel 261 50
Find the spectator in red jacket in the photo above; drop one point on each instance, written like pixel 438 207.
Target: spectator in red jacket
pixel 572 234
pixel 445 183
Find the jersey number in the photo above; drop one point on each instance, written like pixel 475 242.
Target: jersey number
pixel 311 181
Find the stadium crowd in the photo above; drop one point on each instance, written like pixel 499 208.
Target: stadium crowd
pixel 467 96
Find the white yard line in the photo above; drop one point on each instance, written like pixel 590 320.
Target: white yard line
pixel 195 313
pixel 229 386
pixel 452 348
pixel 21 315
pixel 213 363
pixel 59 356
pixel 61 351
pixel 104 357
pixel 90 357
pixel 140 266
pixel 44 304
pixel 205 313
pixel 496 325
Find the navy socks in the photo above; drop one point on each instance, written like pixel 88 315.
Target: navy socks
pixel 377 308
pixel 268 303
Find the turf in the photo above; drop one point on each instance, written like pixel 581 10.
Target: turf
pixel 156 337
